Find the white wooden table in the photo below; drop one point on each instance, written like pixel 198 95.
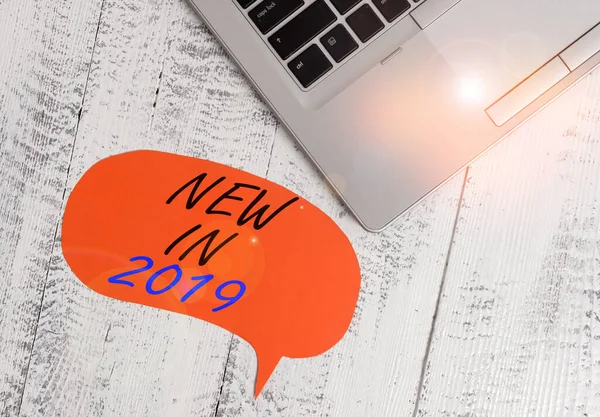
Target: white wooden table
pixel 482 301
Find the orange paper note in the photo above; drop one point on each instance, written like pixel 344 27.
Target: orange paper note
pixel 213 242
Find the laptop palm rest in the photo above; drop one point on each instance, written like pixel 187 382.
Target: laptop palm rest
pixel 545 78
pixel 501 43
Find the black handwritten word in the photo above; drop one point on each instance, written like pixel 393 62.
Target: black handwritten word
pixel 250 212
pixel 202 281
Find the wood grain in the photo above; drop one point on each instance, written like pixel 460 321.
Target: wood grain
pixel 45 49
pixel 516 332
pixel 518 329
pixel 375 369
pixel 158 81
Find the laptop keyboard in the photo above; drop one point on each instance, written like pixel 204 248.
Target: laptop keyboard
pixel 313 38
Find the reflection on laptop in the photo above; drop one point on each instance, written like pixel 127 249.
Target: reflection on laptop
pixel 390 98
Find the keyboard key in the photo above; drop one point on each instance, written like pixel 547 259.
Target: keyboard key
pixel 310 65
pixel 391 9
pixel 302 29
pixel 246 3
pixel 365 23
pixel 343 6
pixel 339 43
pixel 270 13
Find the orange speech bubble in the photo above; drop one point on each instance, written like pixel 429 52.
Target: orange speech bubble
pixel 213 242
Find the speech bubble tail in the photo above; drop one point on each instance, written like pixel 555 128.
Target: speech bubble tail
pixel 266 366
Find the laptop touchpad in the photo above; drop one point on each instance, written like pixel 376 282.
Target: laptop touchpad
pixel 500 43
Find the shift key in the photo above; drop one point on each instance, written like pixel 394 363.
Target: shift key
pixel 302 29
pixel 270 13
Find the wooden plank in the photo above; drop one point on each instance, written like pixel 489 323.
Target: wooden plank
pixel 158 81
pixel 518 331
pixel 45 49
pixel 375 369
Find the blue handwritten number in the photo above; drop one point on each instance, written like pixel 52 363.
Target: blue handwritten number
pixel 158 273
pixel 231 300
pixel 116 279
pixel 204 279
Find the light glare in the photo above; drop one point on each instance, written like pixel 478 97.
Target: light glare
pixel 471 89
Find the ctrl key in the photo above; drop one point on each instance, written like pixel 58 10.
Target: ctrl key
pixel 310 65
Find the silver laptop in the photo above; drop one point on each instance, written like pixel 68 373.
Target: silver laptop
pixel 390 98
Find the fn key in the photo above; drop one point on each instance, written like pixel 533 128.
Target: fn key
pixel 310 65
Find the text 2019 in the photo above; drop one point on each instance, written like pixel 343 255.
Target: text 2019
pixel 202 281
